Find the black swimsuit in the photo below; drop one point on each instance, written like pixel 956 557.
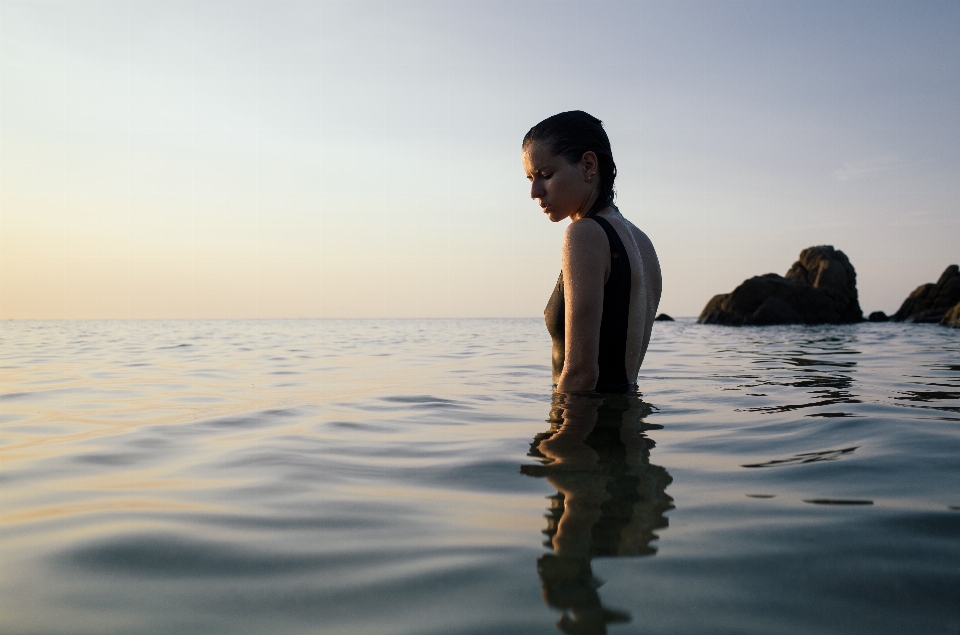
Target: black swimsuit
pixel 613 324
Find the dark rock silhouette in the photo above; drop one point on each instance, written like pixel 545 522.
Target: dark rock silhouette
pixel 663 317
pixel 952 317
pixel 820 288
pixel 878 316
pixel 930 302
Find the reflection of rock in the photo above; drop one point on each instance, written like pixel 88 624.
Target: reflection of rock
pixel 663 317
pixel 878 316
pixel 952 317
pixel 930 302
pixel 820 288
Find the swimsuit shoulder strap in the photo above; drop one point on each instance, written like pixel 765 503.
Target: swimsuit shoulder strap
pixel 617 250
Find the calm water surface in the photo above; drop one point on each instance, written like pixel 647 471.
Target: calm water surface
pixel 417 477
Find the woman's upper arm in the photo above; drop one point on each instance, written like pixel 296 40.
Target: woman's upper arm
pixel 585 258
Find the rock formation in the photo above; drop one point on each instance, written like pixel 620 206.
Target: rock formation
pixel 663 317
pixel 878 316
pixel 952 318
pixel 930 302
pixel 820 288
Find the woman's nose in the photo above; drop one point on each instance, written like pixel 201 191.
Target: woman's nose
pixel 536 190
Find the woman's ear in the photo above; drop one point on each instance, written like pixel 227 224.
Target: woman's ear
pixel 589 165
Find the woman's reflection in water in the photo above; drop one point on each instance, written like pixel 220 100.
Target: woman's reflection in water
pixel 609 499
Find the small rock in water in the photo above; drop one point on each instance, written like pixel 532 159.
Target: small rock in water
pixel 952 318
pixel 932 301
pixel 820 288
pixel 663 317
pixel 878 316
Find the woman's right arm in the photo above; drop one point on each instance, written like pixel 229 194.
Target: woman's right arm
pixel 585 258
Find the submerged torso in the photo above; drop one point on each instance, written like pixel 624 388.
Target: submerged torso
pixel 631 295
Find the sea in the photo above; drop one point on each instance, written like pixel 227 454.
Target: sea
pixel 420 477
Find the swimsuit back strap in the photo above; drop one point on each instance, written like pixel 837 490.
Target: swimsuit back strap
pixel 616 313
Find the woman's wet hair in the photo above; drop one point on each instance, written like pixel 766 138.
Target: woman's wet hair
pixel 571 134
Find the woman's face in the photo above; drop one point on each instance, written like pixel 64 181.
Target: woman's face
pixel 562 189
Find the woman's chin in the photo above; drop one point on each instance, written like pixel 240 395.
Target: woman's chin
pixel 555 217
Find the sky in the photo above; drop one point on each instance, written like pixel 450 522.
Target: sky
pixel 362 159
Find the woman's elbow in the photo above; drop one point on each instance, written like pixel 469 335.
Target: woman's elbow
pixel 578 378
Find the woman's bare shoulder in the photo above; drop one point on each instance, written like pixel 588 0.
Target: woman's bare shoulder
pixel 585 251
pixel 583 232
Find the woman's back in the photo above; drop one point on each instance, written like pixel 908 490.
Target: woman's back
pixel 631 294
pixel 646 287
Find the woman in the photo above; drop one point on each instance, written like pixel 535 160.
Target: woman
pixel 601 312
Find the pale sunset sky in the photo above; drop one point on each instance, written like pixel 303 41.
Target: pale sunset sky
pixel 362 159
